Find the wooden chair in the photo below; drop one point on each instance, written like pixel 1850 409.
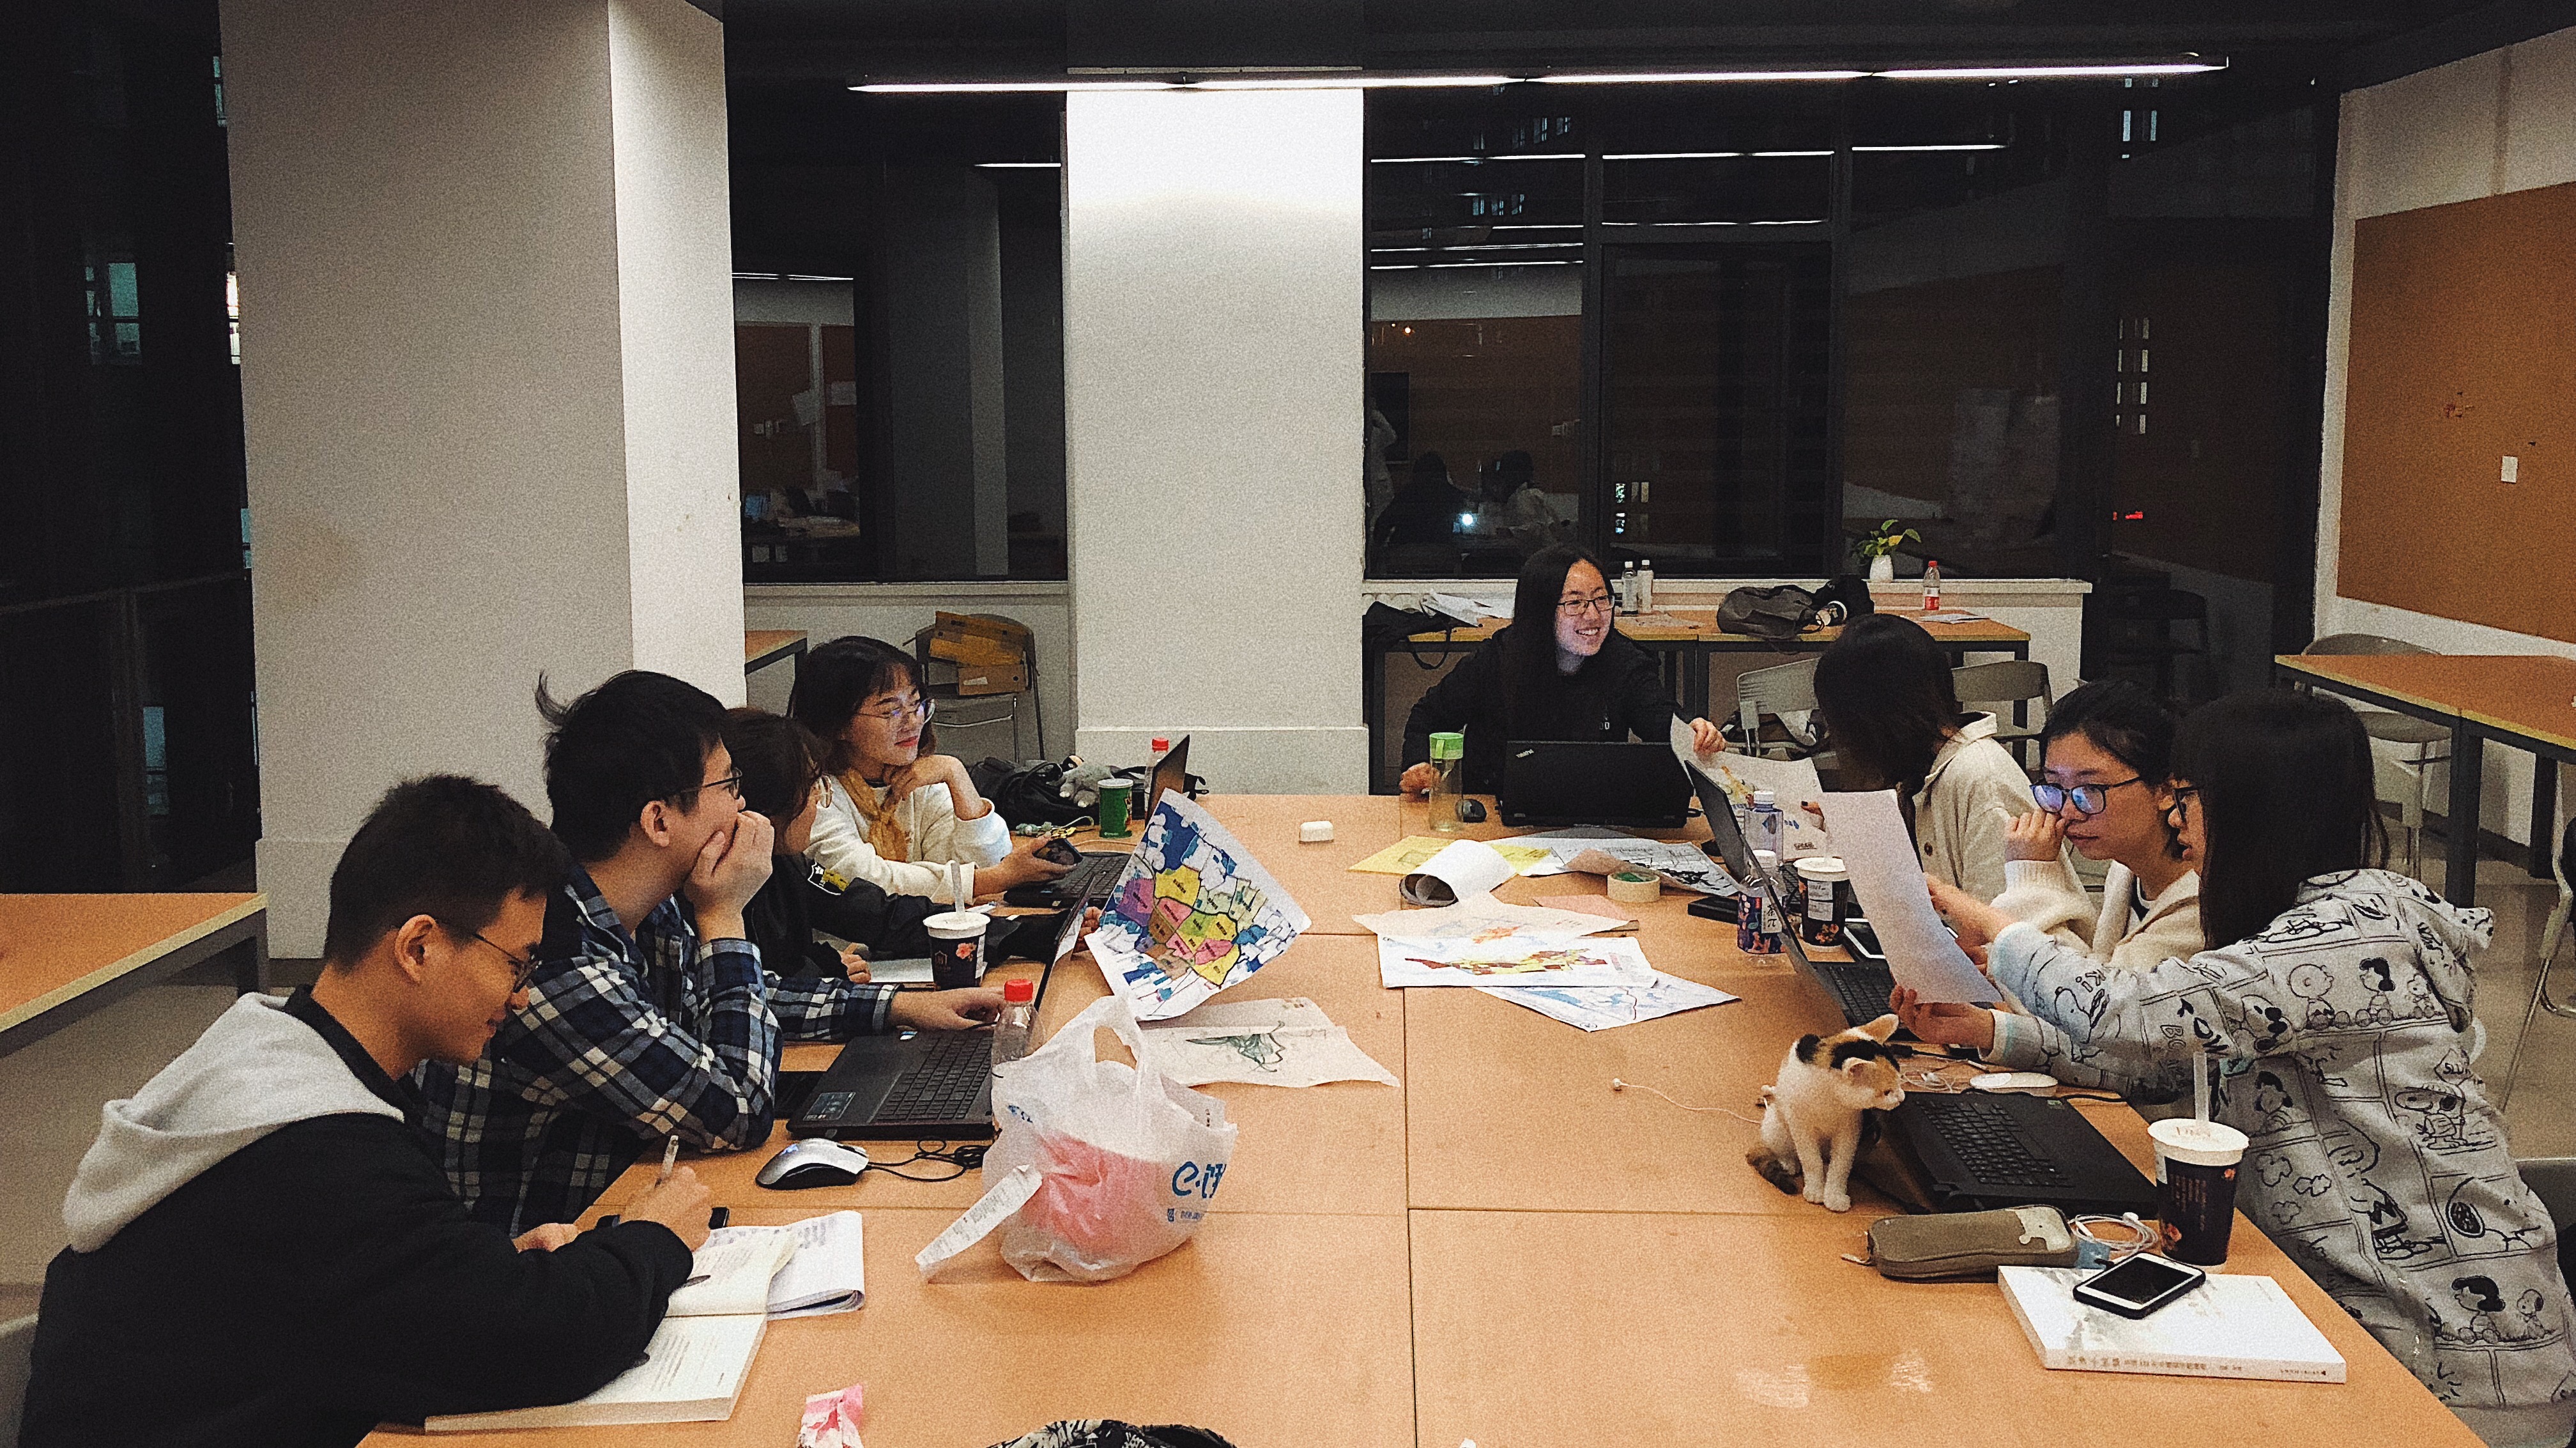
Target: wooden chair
pixel 956 704
pixel 2009 682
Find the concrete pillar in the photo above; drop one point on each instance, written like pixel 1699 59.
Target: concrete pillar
pixel 1214 423
pixel 487 377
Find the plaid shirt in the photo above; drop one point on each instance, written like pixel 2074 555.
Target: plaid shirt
pixel 626 1040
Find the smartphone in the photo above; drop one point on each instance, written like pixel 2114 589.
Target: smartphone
pixel 2138 1286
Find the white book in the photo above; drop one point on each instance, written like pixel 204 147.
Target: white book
pixel 691 1373
pixel 2227 1327
pixel 829 1272
pixel 733 1272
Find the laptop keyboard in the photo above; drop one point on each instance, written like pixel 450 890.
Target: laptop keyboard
pixel 1982 1135
pixel 944 1084
pixel 1861 990
pixel 1092 877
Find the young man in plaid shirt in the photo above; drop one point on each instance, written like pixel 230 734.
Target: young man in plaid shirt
pixel 650 1015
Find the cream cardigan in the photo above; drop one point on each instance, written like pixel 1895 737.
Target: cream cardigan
pixel 2045 894
pixel 1970 794
pixel 929 816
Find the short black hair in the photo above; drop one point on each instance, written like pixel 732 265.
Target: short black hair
pixel 2120 719
pixel 1889 702
pixel 637 738
pixel 779 761
pixel 445 846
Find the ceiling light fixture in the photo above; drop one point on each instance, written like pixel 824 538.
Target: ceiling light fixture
pixel 1184 80
pixel 1975 146
pixel 2051 72
pixel 1356 82
pixel 1019 165
pixel 1696 77
pixel 998 87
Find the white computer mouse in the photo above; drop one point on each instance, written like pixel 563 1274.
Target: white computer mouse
pixel 2014 1081
pixel 814 1162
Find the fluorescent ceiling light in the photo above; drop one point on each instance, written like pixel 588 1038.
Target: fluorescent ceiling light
pixel 1972 146
pixel 1470 160
pixel 1476 246
pixel 800 277
pixel 1669 155
pixel 1681 77
pixel 1019 165
pixel 951 87
pixel 2048 72
pixel 1801 221
pixel 1358 82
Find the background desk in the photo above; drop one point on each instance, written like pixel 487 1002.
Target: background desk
pixel 64 956
pixel 762 647
pixel 2521 701
pixel 1501 1248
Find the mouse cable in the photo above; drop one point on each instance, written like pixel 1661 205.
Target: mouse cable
pixel 1617 1085
pixel 961 1159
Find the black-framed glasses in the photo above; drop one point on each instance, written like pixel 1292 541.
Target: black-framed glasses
pixel 2184 794
pixel 525 967
pixel 730 784
pixel 2089 799
pixel 1578 607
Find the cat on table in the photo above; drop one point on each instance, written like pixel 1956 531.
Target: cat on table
pixel 1811 1116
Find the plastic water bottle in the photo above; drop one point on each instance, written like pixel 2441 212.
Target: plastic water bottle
pixel 1011 1028
pixel 1757 909
pixel 1767 825
pixel 1627 600
pixel 1931 584
pixel 1448 762
pixel 1645 595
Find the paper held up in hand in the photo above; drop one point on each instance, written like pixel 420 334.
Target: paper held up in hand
pixel 1793 783
pixel 1287 1042
pixel 1875 846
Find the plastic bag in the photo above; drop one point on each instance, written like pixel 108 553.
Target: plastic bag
pixel 1127 1161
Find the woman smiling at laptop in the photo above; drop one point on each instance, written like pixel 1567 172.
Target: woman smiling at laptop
pixel 1559 671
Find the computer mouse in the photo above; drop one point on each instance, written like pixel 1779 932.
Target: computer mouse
pixel 1471 811
pixel 1059 851
pixel 813 1162
pixel 2014 1081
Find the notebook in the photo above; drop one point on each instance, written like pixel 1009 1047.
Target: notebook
pixel 692 1372
pixel 2227 1327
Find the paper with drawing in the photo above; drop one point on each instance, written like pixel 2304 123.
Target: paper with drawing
pixel 1408 855
pixel 1193 913
pixel 1482 917
pixel 1793 784
pixel 1593 960
pixel 1287 1042
pixel 1875 846
pixel 1599 1007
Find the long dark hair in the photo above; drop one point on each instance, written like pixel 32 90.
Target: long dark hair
pixel 780 762
pixel 834 680
pixel 2288 791
pixel 1884 688
pixel 1530 659
pixel 2125 722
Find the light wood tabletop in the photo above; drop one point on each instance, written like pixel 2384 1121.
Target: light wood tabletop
pixel 64 955
pixel 1503 1248
pixel 762 647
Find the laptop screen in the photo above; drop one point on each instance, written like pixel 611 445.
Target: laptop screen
pixel 1171 772
pixel 1720 810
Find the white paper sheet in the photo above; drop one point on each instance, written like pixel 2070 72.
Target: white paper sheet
pixel 1288 1042
pixel 738 1264
pixel 1888 880
pixel 1679 865
pixel 1564 844
pixel 1461 869
pixel 1594 960
pixel 829 1272
pixel 1793 784
pixel 1598 1008
pixel 1482 917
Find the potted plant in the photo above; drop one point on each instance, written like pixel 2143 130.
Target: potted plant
pixel 1881 545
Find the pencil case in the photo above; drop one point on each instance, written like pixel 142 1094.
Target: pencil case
pixel 1970 1244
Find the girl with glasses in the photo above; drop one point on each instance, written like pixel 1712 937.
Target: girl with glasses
pixel 894 812
pixel 1559 672
pixel 2337 1011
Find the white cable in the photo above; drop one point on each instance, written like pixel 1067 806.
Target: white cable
pixel 1617 1085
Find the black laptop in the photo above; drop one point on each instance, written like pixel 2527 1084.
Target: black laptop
pixel 1630 786
pixel 916 1085
pixel 1964 1153
pixel 1098 870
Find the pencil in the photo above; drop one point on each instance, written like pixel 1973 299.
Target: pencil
pixel 670 1159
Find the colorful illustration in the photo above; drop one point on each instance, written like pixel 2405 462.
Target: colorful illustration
pixel 1414 851
pixel 1193 914
pixel 1515 962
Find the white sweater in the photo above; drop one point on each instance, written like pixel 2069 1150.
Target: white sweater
pixel 939 838
pixel 2047 895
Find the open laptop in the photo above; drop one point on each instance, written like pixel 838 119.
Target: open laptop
pixel 916 1085
pixel 1963 1153
pixel 1631 786
pixel 1092 876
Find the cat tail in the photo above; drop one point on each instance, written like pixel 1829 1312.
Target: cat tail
pixel 1779 1173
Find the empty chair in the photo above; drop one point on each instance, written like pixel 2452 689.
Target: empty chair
pixel 2004 690
pixel 2419 744
pixel 17 1354
pixel 1780 691
pixel 2556 932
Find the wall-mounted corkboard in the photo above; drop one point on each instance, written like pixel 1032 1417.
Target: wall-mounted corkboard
pixel 2464 353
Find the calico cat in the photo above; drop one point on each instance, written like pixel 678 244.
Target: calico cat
pixel 1811 1117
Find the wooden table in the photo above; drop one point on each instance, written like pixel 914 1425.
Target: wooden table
pixel 2521 701
pixel 1685 641
pixel 64 956
pixel 1502 1248
pixel 762 647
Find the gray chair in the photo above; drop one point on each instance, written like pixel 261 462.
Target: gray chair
pixel 2419 744
pixel 1780 691
pixel 2553 1180
pixel 2554 933
pixel 1996 688
pixel 17 1351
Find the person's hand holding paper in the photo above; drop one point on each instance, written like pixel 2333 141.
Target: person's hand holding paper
pixel 1870 835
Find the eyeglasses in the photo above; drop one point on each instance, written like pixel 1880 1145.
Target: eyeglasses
pixel 526 968
pixel 2089 798
pixel 918 708
pixel 730 784
pixel 1577 607
pixel 2183 796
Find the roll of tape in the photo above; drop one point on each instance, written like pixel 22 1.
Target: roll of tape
pixel 1635 887
pixel 1315 832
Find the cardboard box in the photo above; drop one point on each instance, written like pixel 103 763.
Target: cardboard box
pixel 974 680
pixel 958 627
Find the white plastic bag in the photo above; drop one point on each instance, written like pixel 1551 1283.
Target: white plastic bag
pixel 1127 1162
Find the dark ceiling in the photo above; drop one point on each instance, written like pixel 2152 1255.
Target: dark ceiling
pixel 782 40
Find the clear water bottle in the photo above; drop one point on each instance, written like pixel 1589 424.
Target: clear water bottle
pixel 1448 763
pixel 1645 594
pixel 1627 593
pixel 1931 584
pixel 1757 909
pixel 1767 830
pixel 1012 1027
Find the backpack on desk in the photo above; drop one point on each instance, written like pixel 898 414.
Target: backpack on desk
pixel 1778 613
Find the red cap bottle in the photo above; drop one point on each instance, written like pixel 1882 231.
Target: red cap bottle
pixel 1019 992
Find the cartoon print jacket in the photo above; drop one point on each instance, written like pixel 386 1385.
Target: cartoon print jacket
pixel 2342 1035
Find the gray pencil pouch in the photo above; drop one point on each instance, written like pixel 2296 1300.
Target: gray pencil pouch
pixel 1970 1244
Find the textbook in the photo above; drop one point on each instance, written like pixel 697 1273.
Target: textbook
pixel 2227 1327
pixel 691 1372
pixel 829 1272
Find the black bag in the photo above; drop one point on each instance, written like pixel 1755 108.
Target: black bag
pixel 1109 1433
pixel 1852 592
pixel 1030 793
pixel 1778 613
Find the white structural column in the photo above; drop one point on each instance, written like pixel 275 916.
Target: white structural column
pixel 1214 419
pixel 488 387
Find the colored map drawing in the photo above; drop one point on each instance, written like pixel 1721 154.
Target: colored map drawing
pixel 1530 964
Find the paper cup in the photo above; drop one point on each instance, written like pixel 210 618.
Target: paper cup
pixel 956 948
pixel 2196 1164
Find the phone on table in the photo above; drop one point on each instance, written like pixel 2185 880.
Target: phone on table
pixel 2138 1286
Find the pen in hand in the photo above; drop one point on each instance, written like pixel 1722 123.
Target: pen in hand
pixel 670 1159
